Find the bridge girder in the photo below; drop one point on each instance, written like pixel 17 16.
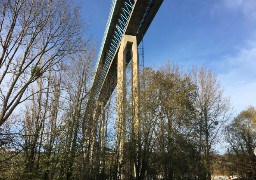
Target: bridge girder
pixel 131 17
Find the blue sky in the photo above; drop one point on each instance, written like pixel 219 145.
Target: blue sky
pixel 219 35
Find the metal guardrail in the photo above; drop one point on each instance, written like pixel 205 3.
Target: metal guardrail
pixel 113 4
pixel 115 41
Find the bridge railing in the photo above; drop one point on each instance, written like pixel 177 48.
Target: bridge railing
pixel 118 33
pixel 113 4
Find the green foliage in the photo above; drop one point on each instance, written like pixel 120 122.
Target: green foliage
pixel 241 137
pixel 168 114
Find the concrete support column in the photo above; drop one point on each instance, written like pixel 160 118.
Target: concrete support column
pixel 121 104
pixel 93 132
pixel 129 41
pixel 96 159
pixel 102 137
pixel 135 104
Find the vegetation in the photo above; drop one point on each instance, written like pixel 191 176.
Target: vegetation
pixel 241 137
pixel 46 131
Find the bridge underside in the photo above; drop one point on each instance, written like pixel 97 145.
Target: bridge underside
pixel 141 17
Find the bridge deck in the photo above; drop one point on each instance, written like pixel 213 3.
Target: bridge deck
pixel 141 15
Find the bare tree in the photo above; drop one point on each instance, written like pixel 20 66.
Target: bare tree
pixel 53 121
pixel 76 77
pixel 34 35
pixel 213 112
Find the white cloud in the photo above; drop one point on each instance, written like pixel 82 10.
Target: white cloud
pixel 246 6
pixel 239 76
pixel 233 3
pixel 244 60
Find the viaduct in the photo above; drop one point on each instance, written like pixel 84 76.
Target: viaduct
pixel 127 24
